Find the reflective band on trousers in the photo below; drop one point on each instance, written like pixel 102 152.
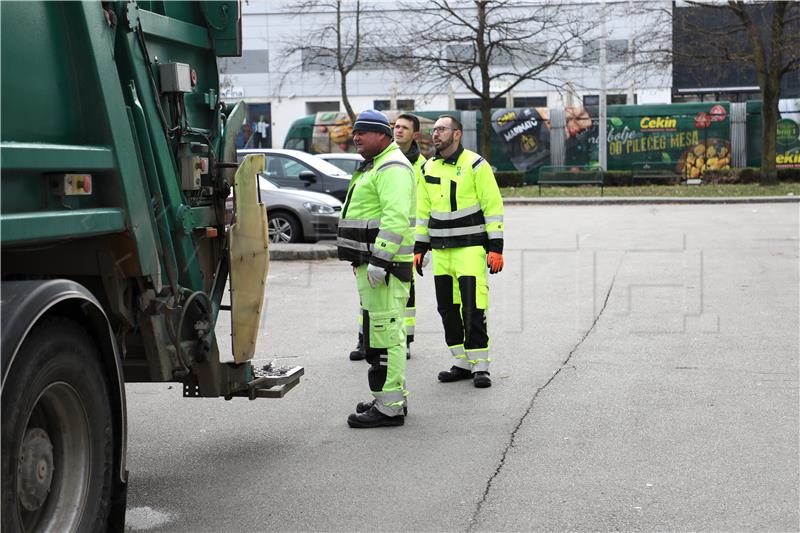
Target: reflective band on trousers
pixel 388 398
pixel 454 232
pixel 356 223
pixel 473 356
pixel 452 215
pixel 355 245
pixel 458 351
pixel 390 236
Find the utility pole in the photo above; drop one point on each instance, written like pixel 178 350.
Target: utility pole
pixel 602 133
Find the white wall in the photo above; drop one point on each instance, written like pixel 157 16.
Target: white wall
pixel 268 25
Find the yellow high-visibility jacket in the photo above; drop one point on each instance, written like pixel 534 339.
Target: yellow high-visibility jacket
pixel 375 224
pixel 458 204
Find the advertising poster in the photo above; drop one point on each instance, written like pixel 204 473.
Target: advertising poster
pixel 333 132
pixel 689 138
pixel 525 133
pixel 787 141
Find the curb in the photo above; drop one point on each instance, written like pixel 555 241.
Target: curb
pixel 301 252
pixel 646 200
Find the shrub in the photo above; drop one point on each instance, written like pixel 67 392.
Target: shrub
pixel 730 175
pixel 617 178
pixel 509 178
pixel 789 174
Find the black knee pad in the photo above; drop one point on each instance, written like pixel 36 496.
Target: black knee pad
pixel 474 318
pixel 377 377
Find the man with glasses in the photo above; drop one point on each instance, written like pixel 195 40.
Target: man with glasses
pixel 376 236
pixel 460 218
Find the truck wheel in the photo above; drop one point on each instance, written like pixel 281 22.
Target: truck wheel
pixel 57 433
pixel 284 227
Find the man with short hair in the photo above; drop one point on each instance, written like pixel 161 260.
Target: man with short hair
pixel 460 218
pixel 376 236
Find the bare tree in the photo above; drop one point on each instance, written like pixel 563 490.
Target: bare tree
pixel 723 36
pixel 489 46
pixel 333 46
pixel 774 51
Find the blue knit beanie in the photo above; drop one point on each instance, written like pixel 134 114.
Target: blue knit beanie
pixel 371 120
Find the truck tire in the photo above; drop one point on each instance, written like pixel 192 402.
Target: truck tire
pixel 57 433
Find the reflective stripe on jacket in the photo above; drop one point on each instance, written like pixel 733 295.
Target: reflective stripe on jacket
pixel 377 219
pixel 458 204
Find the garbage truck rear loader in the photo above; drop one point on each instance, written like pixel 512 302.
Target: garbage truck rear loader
pixel 116 157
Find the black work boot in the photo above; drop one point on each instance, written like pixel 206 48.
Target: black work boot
pixel 373 419
pixel 360 352
pixel 363 407
pixel 454 374
pixel 481 380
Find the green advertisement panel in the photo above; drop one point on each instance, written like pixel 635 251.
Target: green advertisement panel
pixel 687 137
pixel 787 138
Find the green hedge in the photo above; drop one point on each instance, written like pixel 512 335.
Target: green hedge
pixel 509 178
pixel 622 178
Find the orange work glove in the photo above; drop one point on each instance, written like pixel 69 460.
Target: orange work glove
pixel 495 262
pixel 420 261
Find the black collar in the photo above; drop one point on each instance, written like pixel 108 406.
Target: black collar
pixel 453 157
pixel 413 152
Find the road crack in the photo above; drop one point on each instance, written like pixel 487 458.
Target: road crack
pixel 474 519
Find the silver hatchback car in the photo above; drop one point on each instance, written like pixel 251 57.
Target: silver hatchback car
pixel 296 216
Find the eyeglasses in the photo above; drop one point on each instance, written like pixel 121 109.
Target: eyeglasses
pixel 441 129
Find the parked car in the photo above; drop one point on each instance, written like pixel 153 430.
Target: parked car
pixel 345 161
pixel 293 168
pixel 294 215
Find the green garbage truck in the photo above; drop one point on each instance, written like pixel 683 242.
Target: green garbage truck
pixel 116 159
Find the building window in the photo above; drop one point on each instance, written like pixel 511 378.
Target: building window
pixel 318 59
pixel 402 105
pixel 530 101
pixel 319 107
pixel 251 62
pixel 474 104
pixel 460 52
pixel 611 99
pixel 616 50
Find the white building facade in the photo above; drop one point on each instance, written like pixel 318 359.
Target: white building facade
pixel 279 89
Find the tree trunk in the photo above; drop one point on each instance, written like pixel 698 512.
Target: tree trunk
pixel 769 114
pixel 345 99
pixel 485 138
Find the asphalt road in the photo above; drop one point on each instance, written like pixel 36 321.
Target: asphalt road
pixel 645 378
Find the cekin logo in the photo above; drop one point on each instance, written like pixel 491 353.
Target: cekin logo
pixel 658 123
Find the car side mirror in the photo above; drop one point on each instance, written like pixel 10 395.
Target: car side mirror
pixel 307 175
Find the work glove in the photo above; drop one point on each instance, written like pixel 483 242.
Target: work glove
pixel 375 275
pixel 421 260
pixel 495 262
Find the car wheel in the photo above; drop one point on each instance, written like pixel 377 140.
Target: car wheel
pixel 284 227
